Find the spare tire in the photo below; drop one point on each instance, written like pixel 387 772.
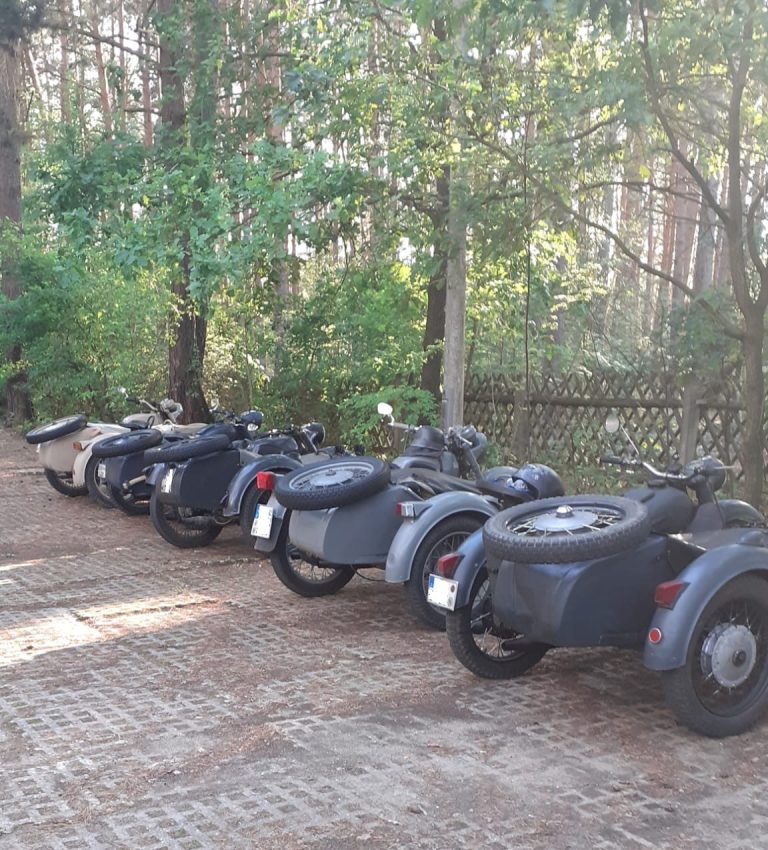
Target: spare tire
pixel 566 528
pixel 186 449
pixel 57 428
pixel 333 483
pixel 127 444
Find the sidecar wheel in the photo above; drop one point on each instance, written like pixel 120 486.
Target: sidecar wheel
pixel 54 430
pixel 722 689
pixel 62 482
pixel 183 527
pixel 128 503
pixel 332 483
pixel 566 528
pixel 98 488
pixel 305 577
pixel 446 537
pixel 478 643
pixel 127 444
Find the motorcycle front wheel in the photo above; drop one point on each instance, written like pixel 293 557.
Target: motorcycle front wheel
pixel 480 645
pixel 722 689
pixel 62 483
pixel 183 527
pixel 304 576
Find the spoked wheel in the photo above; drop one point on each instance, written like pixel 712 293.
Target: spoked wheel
pixel 480 645
pixel 62 482
pixel 446 537
pixel 304 575
pixel 97 484
pixel 723 687
pixel 181 526
pixel 570 528
pixel 332 483
pixel 128 503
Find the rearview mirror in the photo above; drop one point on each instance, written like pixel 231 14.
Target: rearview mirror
pixel 123 391
pixel 612 423
pixel 384 409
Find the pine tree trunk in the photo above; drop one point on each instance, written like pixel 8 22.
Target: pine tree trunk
pixel 18 407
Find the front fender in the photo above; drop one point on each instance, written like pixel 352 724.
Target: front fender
pixel 735 513
pixel 431 512
pixel 244 478
pixel 705 577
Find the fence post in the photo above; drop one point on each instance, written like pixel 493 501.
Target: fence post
pixel 689 424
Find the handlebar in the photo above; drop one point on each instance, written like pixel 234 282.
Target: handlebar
pixel 637 463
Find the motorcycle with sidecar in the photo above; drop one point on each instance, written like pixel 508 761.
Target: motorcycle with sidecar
pixel 683 579
pixel 65 446
pixel 199 486
pixel 325 523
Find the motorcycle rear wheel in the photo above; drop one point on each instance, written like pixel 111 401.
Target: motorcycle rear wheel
pixel 305 577
pixel 98 488
pixel 181 527
pixel 479 645
pixel 62 483
pixel 127 503
pixel 444 538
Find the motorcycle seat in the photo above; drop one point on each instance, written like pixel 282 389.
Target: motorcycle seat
pixel 186 430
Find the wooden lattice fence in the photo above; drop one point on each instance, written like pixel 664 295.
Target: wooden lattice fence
pixel 566 416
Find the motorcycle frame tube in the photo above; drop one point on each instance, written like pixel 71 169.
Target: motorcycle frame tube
pixel 705 576
pixel 356 534
pixel 412 532
pixel 245 478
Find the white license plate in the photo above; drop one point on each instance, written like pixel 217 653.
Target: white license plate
pixel 167 482
pixel 101 470
pixel 262 522
pixel 442 592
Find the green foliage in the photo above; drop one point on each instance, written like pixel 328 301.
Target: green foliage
pixel 359 418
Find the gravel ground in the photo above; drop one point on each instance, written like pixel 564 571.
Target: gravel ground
pixel 157 698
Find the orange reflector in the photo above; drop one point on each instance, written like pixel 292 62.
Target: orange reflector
pixel 78 447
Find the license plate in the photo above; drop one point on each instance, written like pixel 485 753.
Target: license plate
pixel 262 522
pixel 167 482
pixel 101 470
pixel 442 592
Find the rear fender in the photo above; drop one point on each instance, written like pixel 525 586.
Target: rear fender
pixel 156 473
pixel 473 559
pixel 245 478
pixel 705 576
pixel 430 513
pixel 736 512
pixel 280 516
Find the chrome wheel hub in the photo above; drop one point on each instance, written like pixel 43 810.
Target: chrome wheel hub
pixel 728 654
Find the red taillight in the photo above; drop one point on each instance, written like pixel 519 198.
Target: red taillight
pixel 265 480
pixel 668 593
pixel 654 635
pixel 446 566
